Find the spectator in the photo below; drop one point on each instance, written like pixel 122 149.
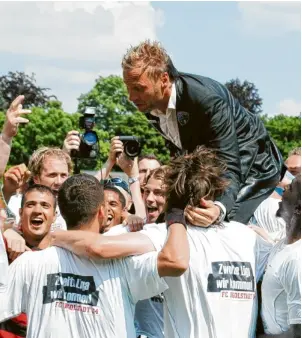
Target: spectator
pixel 154 194
pixel 281 287
pixel 293 162
pixel 265 215
pixel 115 198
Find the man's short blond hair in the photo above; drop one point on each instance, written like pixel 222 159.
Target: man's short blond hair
pixel 148 55
pixel 37 159
pixel 295 151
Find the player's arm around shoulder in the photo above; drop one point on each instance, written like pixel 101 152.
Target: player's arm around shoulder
pixel 97 246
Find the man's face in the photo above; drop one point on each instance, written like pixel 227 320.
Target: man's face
pixel 154 199
pixel 143 91
pixel 114 209
pixel 144 168
pixel 53 174
pixel 291 194
pixel 37 214
pixel 293 164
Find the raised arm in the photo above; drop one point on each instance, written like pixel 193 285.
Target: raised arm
pixel 10 129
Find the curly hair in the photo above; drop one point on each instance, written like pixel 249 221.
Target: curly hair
pixel 79 199
pixel 150 56
pixel 192 177
pixel 37 159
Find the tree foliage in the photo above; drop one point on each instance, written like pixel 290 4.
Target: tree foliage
pixel 19 83
pixel 247 94
pixel 285 130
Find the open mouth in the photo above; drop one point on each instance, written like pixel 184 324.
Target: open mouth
pixel 109 219
pixel 152 210
pixel 36 222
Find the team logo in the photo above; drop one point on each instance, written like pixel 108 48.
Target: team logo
pixel 183 117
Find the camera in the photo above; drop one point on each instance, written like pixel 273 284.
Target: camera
pixel 132 145
pixel 89 146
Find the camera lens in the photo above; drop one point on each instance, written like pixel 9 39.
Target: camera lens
pixel 90 138
pixel 132 148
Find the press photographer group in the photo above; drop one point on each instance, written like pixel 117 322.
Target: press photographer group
pixel 206 245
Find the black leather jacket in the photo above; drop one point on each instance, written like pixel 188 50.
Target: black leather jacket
pixel 209 115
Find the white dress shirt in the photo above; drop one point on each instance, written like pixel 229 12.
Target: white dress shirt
pixel 168 122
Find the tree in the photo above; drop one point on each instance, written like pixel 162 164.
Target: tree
pixel 19 83
pixel 247 94
pixel 285 131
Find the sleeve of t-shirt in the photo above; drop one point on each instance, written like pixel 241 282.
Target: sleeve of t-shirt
pixel 142 276
pixel 13 301
pixel 3 266
pixel 290 278
pixel 117 230
pixel 262 251
pixel 157 233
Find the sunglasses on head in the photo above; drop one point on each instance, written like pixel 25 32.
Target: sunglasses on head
pixel 116 181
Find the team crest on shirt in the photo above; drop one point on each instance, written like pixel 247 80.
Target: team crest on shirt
pixel 183 117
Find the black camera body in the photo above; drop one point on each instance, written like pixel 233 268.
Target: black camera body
pixel 132 145
pixel 89 146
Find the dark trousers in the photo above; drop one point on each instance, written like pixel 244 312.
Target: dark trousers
pixel 243 211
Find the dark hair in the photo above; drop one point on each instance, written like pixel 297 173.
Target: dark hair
pixel 295 222
pixel 114 188
pixel 192 177
pixel 79 198
pixel 148 157
pixel 41 188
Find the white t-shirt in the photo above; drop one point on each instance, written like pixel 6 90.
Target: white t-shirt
pixel 265 217
pixel 68 296
pixel 149 313
pixel 216 296
pixel 14 205
pixel 3 263
pixel 281 288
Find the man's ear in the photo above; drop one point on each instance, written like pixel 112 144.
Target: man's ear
pixel 101 212
pixel 36 179
pixel 20 212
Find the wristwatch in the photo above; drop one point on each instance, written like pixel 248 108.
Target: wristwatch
pixel 132 180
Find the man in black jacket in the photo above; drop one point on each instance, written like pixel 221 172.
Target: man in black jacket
pixel 191 110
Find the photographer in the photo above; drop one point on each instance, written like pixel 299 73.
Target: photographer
pixel 129 166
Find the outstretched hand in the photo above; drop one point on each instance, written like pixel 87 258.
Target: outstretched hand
pixel 14 118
